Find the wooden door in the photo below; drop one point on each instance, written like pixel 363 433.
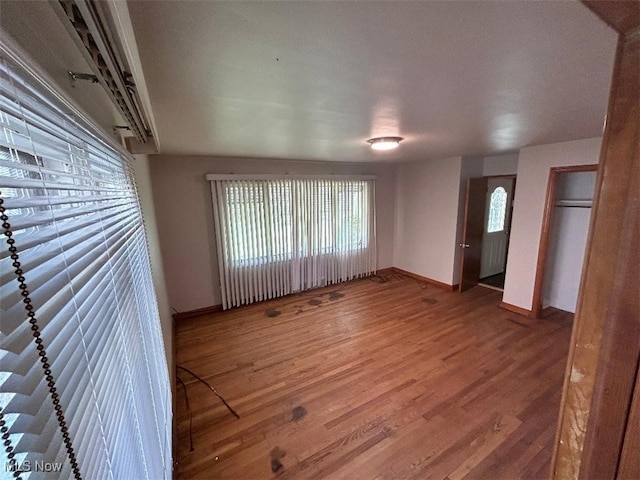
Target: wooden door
pixel 494 239
pixel 471 245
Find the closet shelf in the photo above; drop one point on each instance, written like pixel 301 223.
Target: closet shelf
pixel 579 203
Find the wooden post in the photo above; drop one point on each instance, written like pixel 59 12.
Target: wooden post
pixel 605 352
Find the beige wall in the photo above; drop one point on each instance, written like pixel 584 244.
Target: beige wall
pixel 182 200
pixel 506 164
pixel 427 198
pixel 143 185
pixel 531 188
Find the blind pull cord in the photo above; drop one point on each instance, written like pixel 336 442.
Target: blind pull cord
pixel 42 353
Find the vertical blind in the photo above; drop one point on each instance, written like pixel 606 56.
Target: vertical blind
pixel 276 236
pixel 84 389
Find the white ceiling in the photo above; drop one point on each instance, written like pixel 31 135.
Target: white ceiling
pixel 313 80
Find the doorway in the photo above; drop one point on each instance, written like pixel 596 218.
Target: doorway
pixel 496 230
pixel 565 226
pixel 487 226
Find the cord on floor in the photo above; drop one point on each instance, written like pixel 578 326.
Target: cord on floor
pixel 210 388
pixel 186 399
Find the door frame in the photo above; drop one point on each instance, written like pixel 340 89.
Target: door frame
pixel 545 233
pixel 604 355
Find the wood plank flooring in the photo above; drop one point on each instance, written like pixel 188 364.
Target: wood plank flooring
pixel 372 380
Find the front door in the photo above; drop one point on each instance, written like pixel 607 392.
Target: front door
pixel 495 237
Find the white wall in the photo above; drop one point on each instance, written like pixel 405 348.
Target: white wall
pixel 575 186
pixel 506 164
pixel 568 242
pixel 182 199
pixel 534 164
pixel 427 198
pixel 143 184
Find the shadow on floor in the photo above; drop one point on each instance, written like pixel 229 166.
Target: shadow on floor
pixel 494 280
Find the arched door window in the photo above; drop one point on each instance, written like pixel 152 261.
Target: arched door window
pixel 497 210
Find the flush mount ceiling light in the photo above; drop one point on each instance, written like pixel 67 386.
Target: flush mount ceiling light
pixel 384 143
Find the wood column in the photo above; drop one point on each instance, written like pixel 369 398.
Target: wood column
pixel 602 370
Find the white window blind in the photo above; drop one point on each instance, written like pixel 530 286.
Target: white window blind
pixel 276 236
pixel 84 389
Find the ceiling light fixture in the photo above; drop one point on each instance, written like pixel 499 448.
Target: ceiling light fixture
pixel 385 143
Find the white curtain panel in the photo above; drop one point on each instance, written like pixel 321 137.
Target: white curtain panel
pixel 277 236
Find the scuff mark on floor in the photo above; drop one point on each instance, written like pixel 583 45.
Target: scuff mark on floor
pixel 335 296
pixel 276 455
pixel 298 412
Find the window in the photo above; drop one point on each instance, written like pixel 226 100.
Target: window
pixel 84 387
pixel 280 235
pixel 497 210
pixel 257 222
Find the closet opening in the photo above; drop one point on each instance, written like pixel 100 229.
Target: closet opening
pixel 563 240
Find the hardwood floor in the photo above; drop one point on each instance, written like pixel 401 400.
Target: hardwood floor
pixel 372 380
